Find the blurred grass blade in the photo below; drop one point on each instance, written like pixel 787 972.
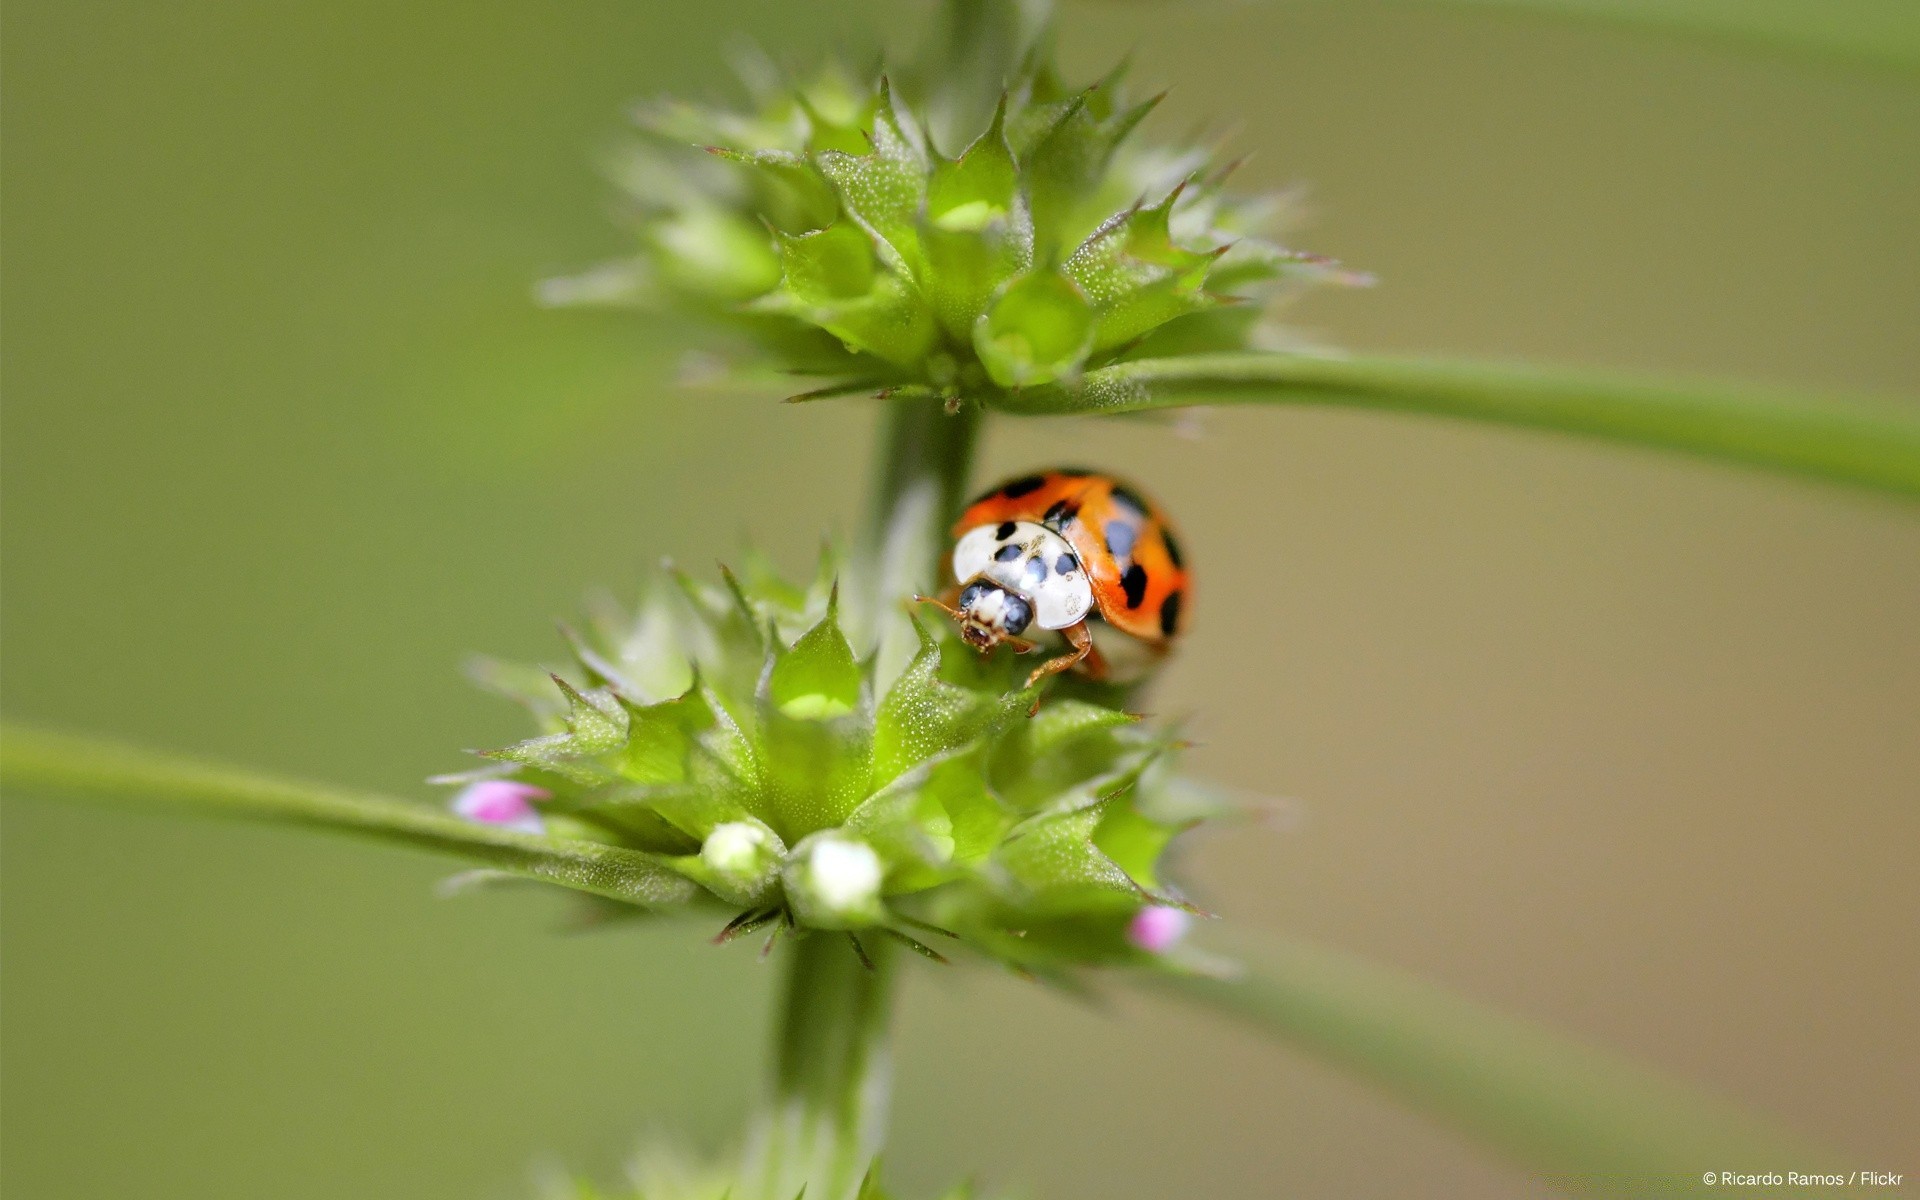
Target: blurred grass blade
pixel 1873 446
pixel 1583 1119
pixel 35 760
pixel 1883 33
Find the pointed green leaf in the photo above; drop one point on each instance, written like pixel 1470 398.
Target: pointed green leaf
pixel 813 771
pixel 644 651
pixel 659 739
pixel 828 266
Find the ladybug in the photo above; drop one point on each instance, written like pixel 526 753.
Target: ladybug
pixel 1069 550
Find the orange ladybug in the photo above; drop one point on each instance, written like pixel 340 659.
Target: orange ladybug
pixel 1071 551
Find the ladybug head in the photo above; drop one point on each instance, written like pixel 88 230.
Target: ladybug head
pixel 990 614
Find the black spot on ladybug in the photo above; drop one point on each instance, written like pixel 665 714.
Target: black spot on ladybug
pixel 1061 515
pixel 1016 616
pixel 1173 549
pixel 1130 498
pixel 1120 536
pixel 1036 573
pixel 1064 565
pixel 1023 485
pixel 1006 554
pixel 1170 613
pixel 1134 584
pixel 1004 532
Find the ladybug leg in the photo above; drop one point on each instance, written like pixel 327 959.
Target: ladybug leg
pixel 1081 639
pixel 1094 665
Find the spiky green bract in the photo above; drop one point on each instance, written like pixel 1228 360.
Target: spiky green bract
pixel 739 733
pixel 914 239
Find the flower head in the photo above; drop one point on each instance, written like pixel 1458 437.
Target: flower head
pixel 968 234
pixel 744 738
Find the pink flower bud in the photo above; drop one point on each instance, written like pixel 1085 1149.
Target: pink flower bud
pixel 502 802
pixel 1158 928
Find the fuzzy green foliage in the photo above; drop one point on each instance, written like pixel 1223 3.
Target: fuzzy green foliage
pixel 872 236
pixel 742 738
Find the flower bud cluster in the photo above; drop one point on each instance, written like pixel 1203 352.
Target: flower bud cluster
pixel 736 736
pixel 868 236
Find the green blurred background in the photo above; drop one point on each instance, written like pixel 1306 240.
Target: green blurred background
pixel 1615 740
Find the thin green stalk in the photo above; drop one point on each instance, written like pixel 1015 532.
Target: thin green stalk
pixel 1585 1120
pixel 1859 444
pixel 833 1073
pixel 40 761
pixel 926 454
pixel 828 1116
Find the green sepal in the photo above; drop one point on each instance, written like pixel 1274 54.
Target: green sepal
pixel 832 278
pixel 1038 330
pixel 793 194
pixel 819 678
pixel 596 719
pixel 1069 161
pixel 1068 744
pixel 885 189
pixel 1050 865
pixel 643 651
pixel 982 185
pixel 906 823
pixel 813 771
pixel 923 715
pixel 718 256
pixel 1137 277
pixel 660 737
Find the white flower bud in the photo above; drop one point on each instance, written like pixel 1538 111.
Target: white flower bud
pixel 834 881
pixel 739 861
pixel 738 850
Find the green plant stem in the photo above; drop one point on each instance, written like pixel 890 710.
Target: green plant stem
pixel 38 760
pixel 926 454
pixel 827 1119
pixel 832 1075
pixel 1853 443
pixel 1583 1119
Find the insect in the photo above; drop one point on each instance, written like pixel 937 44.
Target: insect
pixel 1069 550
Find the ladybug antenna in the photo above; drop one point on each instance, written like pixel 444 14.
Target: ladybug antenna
pixel 942 605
